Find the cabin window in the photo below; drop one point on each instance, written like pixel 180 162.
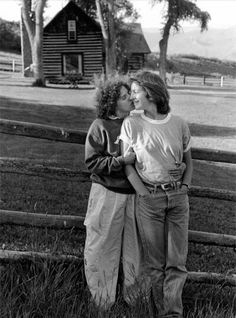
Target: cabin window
pixel 71 35
pixel 72 64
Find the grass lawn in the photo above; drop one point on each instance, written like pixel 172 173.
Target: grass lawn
pixel 211 117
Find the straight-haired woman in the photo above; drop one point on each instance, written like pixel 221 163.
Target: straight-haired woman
pixel 161 142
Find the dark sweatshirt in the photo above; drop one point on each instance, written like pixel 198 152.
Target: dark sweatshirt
pixel 102 155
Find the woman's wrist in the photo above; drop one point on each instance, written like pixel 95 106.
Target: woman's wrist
pixel 186 185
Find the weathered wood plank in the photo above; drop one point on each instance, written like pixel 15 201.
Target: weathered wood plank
pixel 41 169
pixel 196 277
pixel 214 155
pixel 213 193
pixel 69 221
pixel 41 220
pixel 212 278
pixel 41 131
pixel 29 167
pixel 76 136
pixel 212 238
pixel 8 255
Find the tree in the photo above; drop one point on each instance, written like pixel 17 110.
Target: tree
pixel 32 16
pixel 10 36
pixel 111 15
pixel 106 19
pixel 178 10
pixel 88 6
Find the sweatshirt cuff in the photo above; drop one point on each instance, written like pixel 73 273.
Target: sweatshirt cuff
pixel 119 160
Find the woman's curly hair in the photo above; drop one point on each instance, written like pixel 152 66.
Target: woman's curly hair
pixel 107 96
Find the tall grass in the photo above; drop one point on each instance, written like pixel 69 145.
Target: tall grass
pixel 45 289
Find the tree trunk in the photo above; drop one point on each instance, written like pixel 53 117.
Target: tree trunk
pixel 33 20
pixel 163 44
pixel 38 48
pixel 112 38
pixel 108 32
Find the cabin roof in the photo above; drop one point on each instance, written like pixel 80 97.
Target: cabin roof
pixel 133 39
pixel 71 10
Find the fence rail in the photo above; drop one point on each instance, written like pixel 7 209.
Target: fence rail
pixel 75 136
pixel 67 221
pixel 10 65
pixel 221 81
pixel 19 166
pixel 70 221
pixel 196 277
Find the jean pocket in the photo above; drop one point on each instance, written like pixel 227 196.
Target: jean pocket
pixel 184 190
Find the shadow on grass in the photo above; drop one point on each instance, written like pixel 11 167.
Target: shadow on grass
pixel 198 130
pixel 74 117
pixel 11 103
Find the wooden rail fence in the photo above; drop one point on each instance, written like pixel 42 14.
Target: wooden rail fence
pixel 220 81
pixel 75 136
pixel 20 166
pixel 10 64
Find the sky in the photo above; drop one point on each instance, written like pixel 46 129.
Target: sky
pixel 222 12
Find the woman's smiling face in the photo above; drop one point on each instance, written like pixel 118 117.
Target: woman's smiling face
pixel 138 96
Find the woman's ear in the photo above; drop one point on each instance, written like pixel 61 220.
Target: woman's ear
pixel 148 95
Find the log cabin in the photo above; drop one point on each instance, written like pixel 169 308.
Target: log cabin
pixel 73 44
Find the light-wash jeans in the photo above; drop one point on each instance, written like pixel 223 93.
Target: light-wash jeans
pixel 163 224
pixel 111 235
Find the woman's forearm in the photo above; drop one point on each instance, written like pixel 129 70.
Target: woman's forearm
pixel 135 180
pixel 187 176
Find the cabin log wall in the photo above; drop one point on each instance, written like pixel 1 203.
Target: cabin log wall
pixel 90 45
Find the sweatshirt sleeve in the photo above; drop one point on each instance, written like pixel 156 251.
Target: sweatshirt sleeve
pixel 97 159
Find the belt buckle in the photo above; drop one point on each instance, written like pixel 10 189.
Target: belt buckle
pixel 166 186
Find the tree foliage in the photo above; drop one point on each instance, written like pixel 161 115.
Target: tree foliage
pixel 112 16
pixel 123 9
pixel 177 11
pixel 10 36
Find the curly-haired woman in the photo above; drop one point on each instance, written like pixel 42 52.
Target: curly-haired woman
pixel 110 222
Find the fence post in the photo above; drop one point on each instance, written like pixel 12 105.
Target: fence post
pixel 204 80
pixel 13 65
pixel 221 81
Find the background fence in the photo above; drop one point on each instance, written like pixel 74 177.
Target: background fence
pixel 9 165
pixel 220 81
pixel 15 65
pixel 10 65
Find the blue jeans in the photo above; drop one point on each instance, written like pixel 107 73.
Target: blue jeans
pixel 163 225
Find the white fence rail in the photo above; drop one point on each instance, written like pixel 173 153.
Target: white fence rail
pixel 15 65
pixel 222 81
pixel 10 64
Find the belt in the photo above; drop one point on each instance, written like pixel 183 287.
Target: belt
pixel 164 186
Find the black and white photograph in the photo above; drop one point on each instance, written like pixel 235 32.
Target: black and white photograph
pixel 117 158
